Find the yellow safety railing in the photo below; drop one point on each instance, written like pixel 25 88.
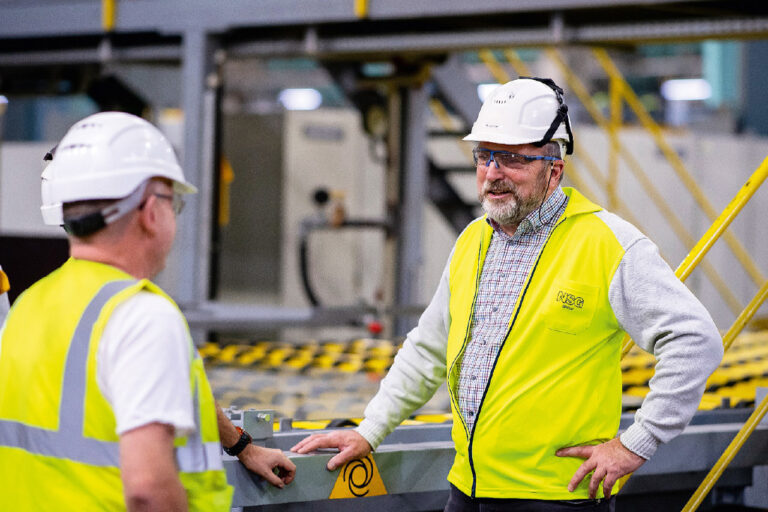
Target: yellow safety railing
pixel 749 426
pixel 578 88
pixel 727 457
pixel 618 81
pixel 716 230
pixel 447 122
pixel 500 75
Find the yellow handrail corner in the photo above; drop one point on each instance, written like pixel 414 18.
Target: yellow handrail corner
pixel 741 321
pixel 361 8
pixel 677 164
pixel 493 65
pixel 108 14
pixel 520 67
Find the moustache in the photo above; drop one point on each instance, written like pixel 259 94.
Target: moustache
pixel 498 187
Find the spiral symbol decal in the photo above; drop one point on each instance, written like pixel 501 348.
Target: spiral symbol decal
pixel 358 475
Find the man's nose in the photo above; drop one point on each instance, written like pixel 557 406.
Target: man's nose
pixel 492 169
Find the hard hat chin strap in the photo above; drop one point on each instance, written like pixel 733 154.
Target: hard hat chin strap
pixel 560 117
pixel 92 222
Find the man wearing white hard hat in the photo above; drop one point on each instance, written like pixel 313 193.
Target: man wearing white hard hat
pixel 527 324
pixel 104 402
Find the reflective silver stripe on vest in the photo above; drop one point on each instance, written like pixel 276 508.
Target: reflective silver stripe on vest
pixel 197 456
pixel 68 442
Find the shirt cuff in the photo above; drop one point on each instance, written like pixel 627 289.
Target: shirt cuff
pixel 372 432
pixel 639 441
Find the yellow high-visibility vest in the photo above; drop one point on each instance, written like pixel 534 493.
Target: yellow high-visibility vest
pixel 556 381
pixel 58 445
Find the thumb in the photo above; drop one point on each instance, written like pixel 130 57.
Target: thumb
pixel 272 478
pixel 583 452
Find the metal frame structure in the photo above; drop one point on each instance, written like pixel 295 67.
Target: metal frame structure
pixel 193 32
pixel 414 462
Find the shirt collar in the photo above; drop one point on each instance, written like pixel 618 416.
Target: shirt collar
pixel 539 217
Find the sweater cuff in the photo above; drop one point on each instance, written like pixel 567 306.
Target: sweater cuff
pixel 639 441
pixel 372 432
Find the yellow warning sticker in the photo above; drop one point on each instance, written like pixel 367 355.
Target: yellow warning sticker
pixel 358 478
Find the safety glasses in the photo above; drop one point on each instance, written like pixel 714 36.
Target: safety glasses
pixel 177 203
pixel 506 159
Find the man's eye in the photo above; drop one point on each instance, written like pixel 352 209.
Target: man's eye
pixel 512 160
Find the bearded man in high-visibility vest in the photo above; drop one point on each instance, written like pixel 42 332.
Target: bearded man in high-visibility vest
pixel 104 402
pixel 527 324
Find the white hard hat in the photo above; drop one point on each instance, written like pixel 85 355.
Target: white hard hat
pixel 524 111
pixel 107 156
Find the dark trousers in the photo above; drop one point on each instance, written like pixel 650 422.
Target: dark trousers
pixel 460 502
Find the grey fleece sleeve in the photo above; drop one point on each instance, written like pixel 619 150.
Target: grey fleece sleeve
pixel 664 318
pixel 417 372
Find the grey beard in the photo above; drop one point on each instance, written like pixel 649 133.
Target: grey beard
pixel 511 212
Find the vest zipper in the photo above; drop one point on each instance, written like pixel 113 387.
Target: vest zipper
pixel 454 398
pixel 498 353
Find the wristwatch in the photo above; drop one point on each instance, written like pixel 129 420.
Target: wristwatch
pixel 239 446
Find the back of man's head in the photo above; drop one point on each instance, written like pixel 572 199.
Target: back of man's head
pixel 99 171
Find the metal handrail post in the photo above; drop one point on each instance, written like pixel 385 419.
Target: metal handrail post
pixel 677 164
pixel 745 316
pixel 749 426
pixel 615 94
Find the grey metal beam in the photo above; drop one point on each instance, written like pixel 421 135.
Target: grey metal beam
pixel 404 468
pixel 451 78
pixel 164 53
pixel 451 41
pixel 422 43
pixel 167 16
pixel 41 19
pixel 668 30
pixel 410 9
pixel 409 465
pixel 248 317
pixel 413 189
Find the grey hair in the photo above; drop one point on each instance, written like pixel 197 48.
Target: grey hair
pixel 553 148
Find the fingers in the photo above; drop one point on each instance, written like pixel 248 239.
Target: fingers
pixel 582 472
pixel 608 484
pixel 314 442
pixel 272 478
pixel 287 471
pixel 594 482
pixel 583 452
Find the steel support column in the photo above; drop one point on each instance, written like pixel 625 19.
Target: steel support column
pixel 186 275
pixel 413 193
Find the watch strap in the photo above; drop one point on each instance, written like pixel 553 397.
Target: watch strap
pixel 239 446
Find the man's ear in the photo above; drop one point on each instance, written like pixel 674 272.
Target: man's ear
pixel 558 168
pixel 147 216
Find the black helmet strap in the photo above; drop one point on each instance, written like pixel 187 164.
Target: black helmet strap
pixel 560 117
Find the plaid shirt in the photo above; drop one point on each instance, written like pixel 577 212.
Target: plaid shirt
pixel 507 264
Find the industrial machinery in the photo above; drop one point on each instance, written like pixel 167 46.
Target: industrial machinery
pixel 408 471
